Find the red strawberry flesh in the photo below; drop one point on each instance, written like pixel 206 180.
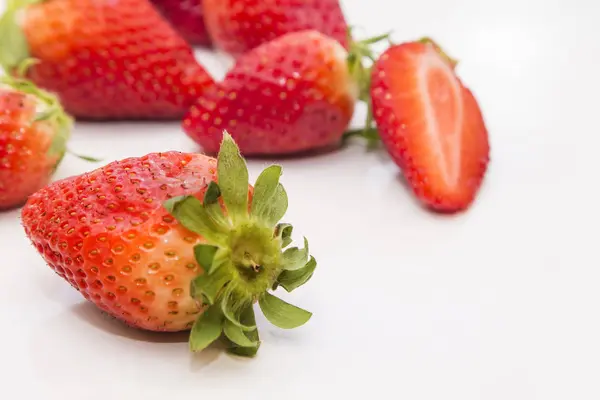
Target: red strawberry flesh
pixel 430 124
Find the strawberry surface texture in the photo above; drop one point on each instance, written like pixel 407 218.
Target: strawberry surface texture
pixel 238 26
pixel 156 242
pixel 187 17
pixel 104 59
pixel 291 95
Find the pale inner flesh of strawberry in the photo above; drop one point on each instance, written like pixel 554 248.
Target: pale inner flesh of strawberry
pixel 443 113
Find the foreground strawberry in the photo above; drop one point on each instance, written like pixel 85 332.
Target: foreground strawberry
pixel 237 26
pixel 156 242
pixel 430 124
pixel 187 17
pixel 104 59
pixel 33 134
pixel 290 95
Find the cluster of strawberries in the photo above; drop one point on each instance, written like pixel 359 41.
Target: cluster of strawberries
pixel 156 241
pixel 293 88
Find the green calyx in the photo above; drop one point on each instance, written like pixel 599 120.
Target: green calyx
pixel 360 60
pixel 246 254
pixel 14 48
pixel 50 110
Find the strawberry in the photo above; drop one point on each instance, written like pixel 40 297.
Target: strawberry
pixel 33 134
pixel 187 17
pixel 237 26
pixel 431 124
pixel 293 94
pixel 104 59
pixel 159 244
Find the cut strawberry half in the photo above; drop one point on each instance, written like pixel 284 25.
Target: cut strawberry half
pixel 430 124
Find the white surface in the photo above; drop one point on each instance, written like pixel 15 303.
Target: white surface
pixel 499 303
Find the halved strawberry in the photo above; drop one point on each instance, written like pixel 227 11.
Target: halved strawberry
pixel 430 124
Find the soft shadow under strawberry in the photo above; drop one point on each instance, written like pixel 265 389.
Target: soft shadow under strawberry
pixel 314 153
pixel 87 312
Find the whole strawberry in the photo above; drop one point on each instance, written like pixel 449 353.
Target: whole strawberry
pixel 33 134
pixel 430 124
pixel 104 59
pixel 237 26
pixel 157 243
pixel 290 95
pixel 187 17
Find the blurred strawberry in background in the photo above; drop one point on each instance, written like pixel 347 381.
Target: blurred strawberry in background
pixel 237 26
pixel 34 131
pixel 293 94
pixel 187 17
pixel 105 59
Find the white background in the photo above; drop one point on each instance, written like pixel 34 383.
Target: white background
pixel 501 302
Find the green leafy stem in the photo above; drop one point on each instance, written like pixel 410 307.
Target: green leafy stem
pixel 245 256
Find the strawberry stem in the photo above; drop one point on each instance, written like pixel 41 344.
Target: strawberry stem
pixel 245 256
pixel 359 55
pixel 14 48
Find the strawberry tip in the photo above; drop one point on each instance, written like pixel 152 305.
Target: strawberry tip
pixel 427 40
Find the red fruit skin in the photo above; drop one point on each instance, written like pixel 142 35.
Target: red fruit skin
pixel 401 117
pixel 107 233
pixel 25 162
pixel 288 96
pixel 110 60
pixel 187 17
pixel 237 26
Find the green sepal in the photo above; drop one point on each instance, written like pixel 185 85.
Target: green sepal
pixel 59 142
pixel 206 329
pixel 284 232
pixel 291 280
pixel 237 335
pixel 212 194
pixel 359 52
pixel 190 213
pixel 282 314
pixel 14 48
pixel 230 307
pixel 243 257
pixel 369 132
pixel 278 207
pixel 43 116
pixel 264 190
pixel 247 318
pixel 205 255
pixel 206 288
pixel 213 207
pixel 295 258
pixel 84 157
pixel 233 179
